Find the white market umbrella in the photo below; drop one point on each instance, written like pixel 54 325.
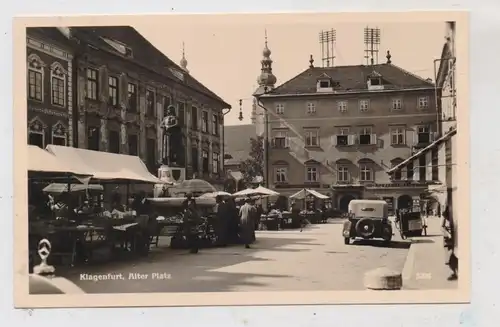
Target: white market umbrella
pixel 259 191
pixel 300 195
pixel 215 194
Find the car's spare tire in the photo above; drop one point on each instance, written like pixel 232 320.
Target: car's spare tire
pixel 365 227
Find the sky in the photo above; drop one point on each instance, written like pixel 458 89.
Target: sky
pixel 224 52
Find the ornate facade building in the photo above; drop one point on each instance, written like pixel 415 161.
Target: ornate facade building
pixel 49 77
pixel 339 130
pixel 122 87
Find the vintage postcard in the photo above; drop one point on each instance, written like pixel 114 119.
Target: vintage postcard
pixel 257 159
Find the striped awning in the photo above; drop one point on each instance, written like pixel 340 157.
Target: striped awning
pixel 422 152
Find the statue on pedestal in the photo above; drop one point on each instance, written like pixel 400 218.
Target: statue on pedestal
pixel 172 147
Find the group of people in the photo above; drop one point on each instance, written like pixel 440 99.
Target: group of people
pixel 232 224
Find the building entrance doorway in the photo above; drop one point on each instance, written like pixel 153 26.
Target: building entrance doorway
pixel 344 202
pixel 405 202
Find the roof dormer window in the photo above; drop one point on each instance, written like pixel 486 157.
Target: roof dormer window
pixel 119 46
pixel 375 81
pixel 325 84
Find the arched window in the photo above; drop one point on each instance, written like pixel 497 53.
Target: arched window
pixel 58 84
pixel 59 134
pixel 397 175
pixel 36 132
pixel 35 78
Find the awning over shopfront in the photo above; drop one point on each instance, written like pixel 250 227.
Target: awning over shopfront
pixel 423 152
pixel 104 165
pixel 59 188
pixel 305 192
pixel 42 161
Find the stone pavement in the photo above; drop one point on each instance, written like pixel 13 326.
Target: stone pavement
pixel 425 267
pixel 315 259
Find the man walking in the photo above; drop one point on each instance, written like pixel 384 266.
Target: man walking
pixel 247 214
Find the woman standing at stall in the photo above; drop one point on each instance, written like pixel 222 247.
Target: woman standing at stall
pixel 191 222
pixel 247 215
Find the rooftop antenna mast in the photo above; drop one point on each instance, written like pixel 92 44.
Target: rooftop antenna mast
pixel 327 40
pixel 372 43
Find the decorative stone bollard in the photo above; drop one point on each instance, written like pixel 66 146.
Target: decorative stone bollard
pixel 383 279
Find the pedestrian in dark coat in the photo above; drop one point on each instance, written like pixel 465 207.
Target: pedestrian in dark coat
pixel 191 222
pixel 247 215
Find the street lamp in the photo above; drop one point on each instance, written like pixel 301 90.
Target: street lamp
pixel 266 134
pixel 240 117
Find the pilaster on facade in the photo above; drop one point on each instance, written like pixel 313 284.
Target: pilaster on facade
pixel 104 142
pixel 70 103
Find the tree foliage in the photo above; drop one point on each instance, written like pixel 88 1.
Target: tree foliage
pixel 254 165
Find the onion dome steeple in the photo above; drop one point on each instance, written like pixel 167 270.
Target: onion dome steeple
pixel 184 61
pixel 266 78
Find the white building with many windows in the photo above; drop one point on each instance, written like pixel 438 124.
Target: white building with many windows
pixel 339 130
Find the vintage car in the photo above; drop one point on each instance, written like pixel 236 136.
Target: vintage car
pixel 367 219
pixel 43 279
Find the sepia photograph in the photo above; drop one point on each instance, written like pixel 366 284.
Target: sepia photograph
pixel 241 159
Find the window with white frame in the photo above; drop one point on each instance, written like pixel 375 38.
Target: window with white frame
pixel 113 90
pixel 215 162
pixel 423 134
pixel 215 124
pixel 365 135
pixel 204 121
pixel 150 103
pixel 36 133
pixel 92 84
pixel 312 174
pixel 35 77
pixel 280 139
pixel 342 106
pixel 364 105
pixel 423 102
pixel 204 161
pixel 280 174
pixel 398 173
pixel 398 135
pixel 280 108
pixel 342 137
pixel 311 108
pixel 132 97
pixel 312 138
pixel 342 174
pixel 397 104
pixel 59 136
pixel 365 173
pixel 58 84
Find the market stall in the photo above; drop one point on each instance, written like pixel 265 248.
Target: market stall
pixel 309 200
pixel 170 220
pixel 77 230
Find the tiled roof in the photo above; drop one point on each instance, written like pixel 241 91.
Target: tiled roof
pixel 237 140
pixel 144 53
pixel 352 78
